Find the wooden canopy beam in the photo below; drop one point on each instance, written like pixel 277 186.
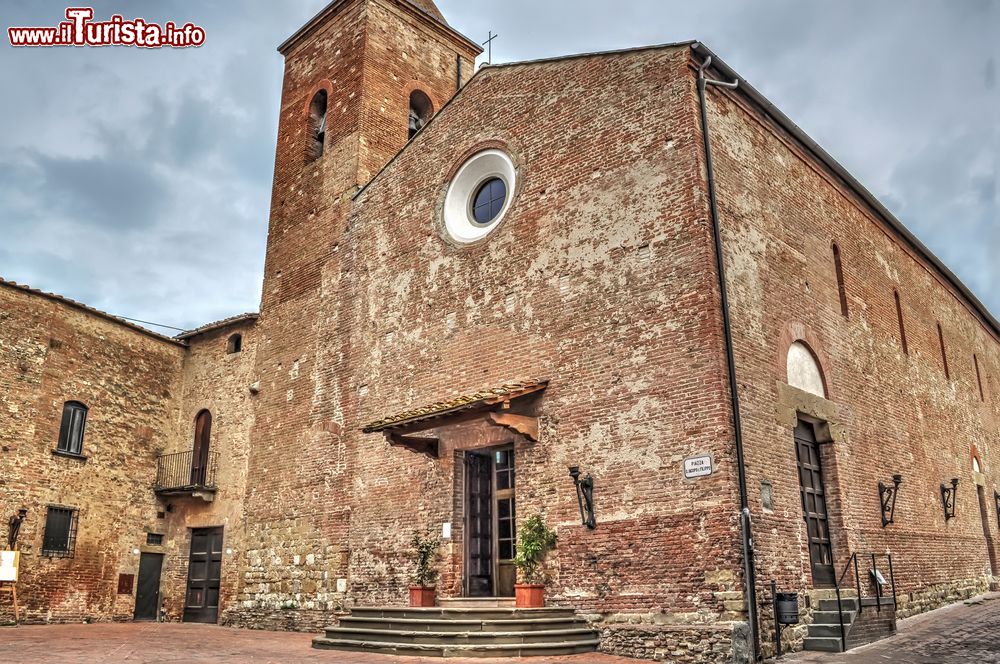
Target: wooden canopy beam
pixel 420 445
pixel 523 424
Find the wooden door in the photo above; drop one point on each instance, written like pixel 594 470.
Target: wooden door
pixel 147 593
pixel 814 505
pixel 199 457
pixel 204 573
pixel 478 525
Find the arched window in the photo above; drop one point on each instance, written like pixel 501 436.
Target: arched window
pixel 976 466
pixel 199 455
pixel 841 287
pixel 235 343
pixel 421 111
pixel 317 125
pixel 803 370
pixel 74 421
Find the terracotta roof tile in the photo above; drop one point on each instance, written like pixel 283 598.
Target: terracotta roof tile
pixel 208 327
pixel 91 310
pixel 458 403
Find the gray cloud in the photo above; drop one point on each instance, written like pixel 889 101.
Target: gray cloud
pixel 138 181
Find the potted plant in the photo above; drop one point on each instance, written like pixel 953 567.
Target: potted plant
pixel 425 552
pixel 534 542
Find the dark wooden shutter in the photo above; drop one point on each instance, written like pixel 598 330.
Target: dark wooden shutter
pixel 74 421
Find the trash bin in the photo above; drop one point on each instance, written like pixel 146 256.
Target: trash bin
pixel 787 608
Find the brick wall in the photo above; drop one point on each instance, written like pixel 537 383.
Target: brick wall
pixel 887 411
pixel 371 54
pixel 587 283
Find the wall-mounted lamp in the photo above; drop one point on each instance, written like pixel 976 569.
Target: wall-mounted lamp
pixel 14 527
pixel 948 498
pixel 135 552
pixel 584 496
pixel 887 496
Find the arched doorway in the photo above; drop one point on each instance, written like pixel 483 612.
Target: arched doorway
pixel 199 456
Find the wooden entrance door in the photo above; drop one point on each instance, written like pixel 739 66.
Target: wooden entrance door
pixel 814 505
pixel 147 593
pixel 478 525
pixel 204 572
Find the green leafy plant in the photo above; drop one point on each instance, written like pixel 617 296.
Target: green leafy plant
pixel 425 555
pixel 534 541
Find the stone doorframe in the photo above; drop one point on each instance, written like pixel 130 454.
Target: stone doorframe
pixel 831 432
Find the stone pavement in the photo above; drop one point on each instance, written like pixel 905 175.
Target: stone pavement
pixel 961 633
pixel 175 643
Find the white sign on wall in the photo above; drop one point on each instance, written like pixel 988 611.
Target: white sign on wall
pixel 8 565
pixel 698 466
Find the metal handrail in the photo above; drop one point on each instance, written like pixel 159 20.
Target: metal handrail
pixel 182 470
pixel 853 560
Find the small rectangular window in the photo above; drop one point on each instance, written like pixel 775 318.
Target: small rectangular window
pixel 60 532
pixel 74 422
pixel 125 582
pixel 154 539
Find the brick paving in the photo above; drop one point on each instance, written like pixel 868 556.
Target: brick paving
pixel 176 643
pixel 960 633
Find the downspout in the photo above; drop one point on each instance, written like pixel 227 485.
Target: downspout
pixel 458 72
pixel 749 573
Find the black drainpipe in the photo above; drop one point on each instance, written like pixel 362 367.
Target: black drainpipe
pixel 749 573
pixel 458 72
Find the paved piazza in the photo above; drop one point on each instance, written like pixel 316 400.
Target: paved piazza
pixel 967 632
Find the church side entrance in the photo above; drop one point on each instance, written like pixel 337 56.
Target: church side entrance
pixel 813 493
pixel 490 514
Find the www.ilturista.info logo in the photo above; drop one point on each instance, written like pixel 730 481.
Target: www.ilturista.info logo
pixel 80 30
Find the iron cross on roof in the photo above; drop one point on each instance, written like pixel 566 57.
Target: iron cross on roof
pixel 489 47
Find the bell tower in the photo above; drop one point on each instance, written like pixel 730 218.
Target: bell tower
pixel 360 78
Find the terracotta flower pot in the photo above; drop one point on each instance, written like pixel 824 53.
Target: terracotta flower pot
pixel 529 595
pixel 420 596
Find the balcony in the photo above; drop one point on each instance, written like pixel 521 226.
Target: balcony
pixel 182 474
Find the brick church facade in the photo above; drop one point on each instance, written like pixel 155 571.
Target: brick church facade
pixel 515 270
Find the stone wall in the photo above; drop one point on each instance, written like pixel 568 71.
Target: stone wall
pixel 220 382
pixel 53 351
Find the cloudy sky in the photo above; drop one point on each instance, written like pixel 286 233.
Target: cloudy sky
pixel 138 181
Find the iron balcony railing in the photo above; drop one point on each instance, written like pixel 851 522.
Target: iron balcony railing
pixel 183 471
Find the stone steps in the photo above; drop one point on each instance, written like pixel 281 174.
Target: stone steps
pixel 477 631
pixel 457 625
pixel 823 643
pixel 453 638
pixel 444 613
pixel 475 602
pixel 479 650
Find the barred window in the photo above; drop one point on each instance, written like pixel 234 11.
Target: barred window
pixel 74 421
pixel 60 532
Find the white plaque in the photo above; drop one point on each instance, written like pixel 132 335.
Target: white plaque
pixel 8 565
pixel 698 466
pixel 446 530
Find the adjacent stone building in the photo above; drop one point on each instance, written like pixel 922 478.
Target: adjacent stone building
pixel 474 282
